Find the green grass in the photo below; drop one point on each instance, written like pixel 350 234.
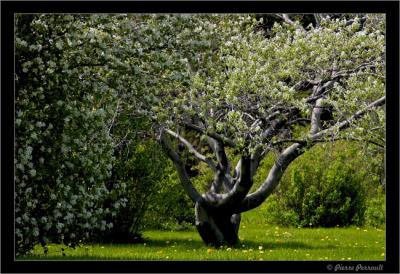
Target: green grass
pixel 259 241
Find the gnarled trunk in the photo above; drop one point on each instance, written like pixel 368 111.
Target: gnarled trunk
pixel 217 227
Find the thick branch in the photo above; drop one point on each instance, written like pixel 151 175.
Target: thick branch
pixel 219 150
pixel 192 150
pixel 316 117
pixel 256 198
pixel 288 155
pixel 226 141
pixel 256 158
pixel 238 192
pixel 223 167
pixel 286 18
pixel 183 176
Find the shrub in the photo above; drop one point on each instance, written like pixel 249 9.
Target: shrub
pixel 170 208
pixel 63 152
pixel 376 209
pixel 135 181
pixel 319 191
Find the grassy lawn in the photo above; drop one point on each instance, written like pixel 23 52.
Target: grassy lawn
pixel 259 241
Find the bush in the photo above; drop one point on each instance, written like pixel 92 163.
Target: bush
pixel 319 191
pixel 375 214
pixel 135 181
pixel 170 208
pixel 63 152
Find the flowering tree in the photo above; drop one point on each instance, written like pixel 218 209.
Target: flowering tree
pixel 85 85
pixel 282 93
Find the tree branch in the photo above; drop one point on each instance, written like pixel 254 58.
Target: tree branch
pixel 316 117
pixel 239 190
pixel 291 153
pixel 192 150
pixel 226 141
pixel 286 18
pixel 183 176
pixel 346 123
pixel 256 158
pixel 223 165
pixel 258 197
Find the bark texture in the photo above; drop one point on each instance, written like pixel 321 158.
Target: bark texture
pixel 216 227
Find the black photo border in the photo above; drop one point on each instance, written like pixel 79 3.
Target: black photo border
pixel 9 8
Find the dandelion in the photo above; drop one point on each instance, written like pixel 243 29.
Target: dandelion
pixel 307 254
pixel 209 250
pixel 365 230
pixel 260 247
pixel 261 252
pixel 348 258
pixel 228 249
pixel 244 251
pixel 383 254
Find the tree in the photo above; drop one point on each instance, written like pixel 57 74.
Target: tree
pixel 84 89
pixel 283 94
pixel 63 150
pixel 88 86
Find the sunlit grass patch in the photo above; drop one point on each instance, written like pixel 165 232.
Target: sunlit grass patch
pixel 259 243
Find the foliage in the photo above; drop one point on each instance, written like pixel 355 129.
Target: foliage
pixel 171 209
pixel 251 77
pixel 91 90
pixel 327 186
pixel 375 214
pixel 63 151
pixel 83 83
pixel 135 180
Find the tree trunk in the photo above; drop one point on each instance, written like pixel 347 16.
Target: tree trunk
pixel 217 227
